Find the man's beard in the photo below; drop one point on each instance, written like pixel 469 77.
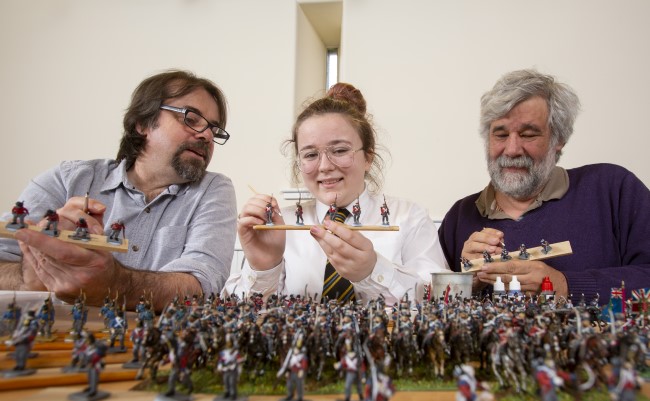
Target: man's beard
pixel 521 186
pixel 191 169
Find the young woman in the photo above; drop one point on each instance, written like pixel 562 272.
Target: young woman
pixel 335 151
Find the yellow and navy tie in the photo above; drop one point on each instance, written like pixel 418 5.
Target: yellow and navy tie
pixel 334 285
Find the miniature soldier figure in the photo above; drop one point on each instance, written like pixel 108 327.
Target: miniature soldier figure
pixel 19 212
pixel 379 387
pixel 79 347
pixel 118 328
pixel 548 380
pixel 79 314
pixel 180 370
pixel 107 312
pixel 117 227
pixel 487 258
pixel 45 318
pixel 332 210
pixel 385 212
pixel 81 232
pixel 468 385
pixel 352 365
pixel 299 219
pixel 295 367
pixel 623 382
pixel 137 339
pixel 146 315
pixel 52 227
pixel 10 318
pixel 229 365
pixel 269 214
pixel 505 255
pixel 95 354
pixel 465 262
pixel 523 253
pixel 546 248
pixel 23 339
pixel 356 213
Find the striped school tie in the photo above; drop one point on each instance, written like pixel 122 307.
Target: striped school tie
pixel 335 286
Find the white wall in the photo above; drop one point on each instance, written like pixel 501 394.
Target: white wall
pixel 423 66
pixel 69 66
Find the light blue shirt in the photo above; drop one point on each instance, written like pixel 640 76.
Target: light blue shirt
pixel 188 228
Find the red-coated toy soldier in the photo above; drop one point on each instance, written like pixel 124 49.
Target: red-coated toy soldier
pixel 19 212
pixel 356 213
pixel 81 233
pixel 332 210
pixel 52 227
pixel 385 212
pixel 117 227
pixel 299 219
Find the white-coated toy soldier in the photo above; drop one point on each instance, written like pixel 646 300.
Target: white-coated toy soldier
pixel 118 330
pixel 229 365
pixel 295 367
pixel 354 368
pixel 137 339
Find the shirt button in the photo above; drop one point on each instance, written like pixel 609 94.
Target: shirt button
pixel 380 278
pixel 147 209
pixel 135 248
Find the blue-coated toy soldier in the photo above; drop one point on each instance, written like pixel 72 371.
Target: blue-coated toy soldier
pixel 45 318
pixel 79 314
pixel 10 318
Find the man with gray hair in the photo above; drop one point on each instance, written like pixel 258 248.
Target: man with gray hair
pixel 602 209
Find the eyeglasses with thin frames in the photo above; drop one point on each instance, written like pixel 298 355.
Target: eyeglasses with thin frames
pixel 340 155
pixel 199 124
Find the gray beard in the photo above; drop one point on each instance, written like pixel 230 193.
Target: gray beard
pixel 521 186
pixel 191 170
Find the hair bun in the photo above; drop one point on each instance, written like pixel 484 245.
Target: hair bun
pixel 344 92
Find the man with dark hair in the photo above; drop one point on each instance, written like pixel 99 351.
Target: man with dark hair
pixel 602 209
pixel 181 218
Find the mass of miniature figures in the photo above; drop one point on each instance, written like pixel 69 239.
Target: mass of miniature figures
pixel 525 344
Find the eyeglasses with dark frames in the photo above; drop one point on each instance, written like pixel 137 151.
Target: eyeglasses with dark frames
pixel 199 124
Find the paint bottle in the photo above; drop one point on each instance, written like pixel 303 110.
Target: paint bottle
pixel 514 288
pixel 498 289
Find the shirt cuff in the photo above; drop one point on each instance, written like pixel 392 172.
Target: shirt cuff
pixel 382 278
pixel 263 281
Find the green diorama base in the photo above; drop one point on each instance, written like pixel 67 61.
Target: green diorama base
pixel 207 382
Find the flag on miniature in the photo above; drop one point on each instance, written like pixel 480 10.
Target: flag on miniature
pixel 640 299
pixel 616 303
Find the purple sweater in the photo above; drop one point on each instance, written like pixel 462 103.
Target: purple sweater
pixel 605 215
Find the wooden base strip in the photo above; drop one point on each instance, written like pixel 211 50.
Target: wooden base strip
pixel 557 249
pixel 97 242
pixel 307 227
